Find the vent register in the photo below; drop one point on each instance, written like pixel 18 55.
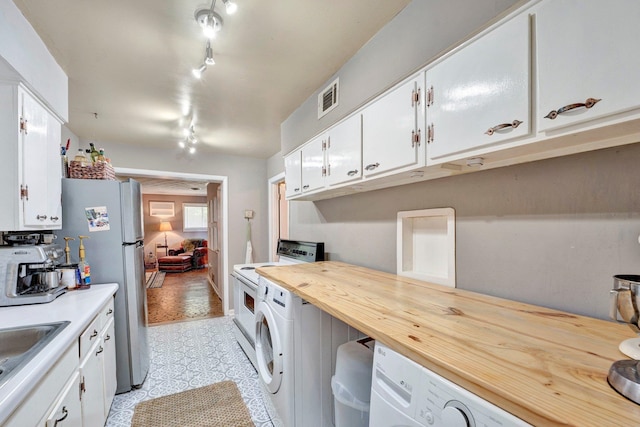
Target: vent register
pixel 328 98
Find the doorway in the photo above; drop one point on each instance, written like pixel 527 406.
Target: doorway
pixel 222 226
pixel 278 214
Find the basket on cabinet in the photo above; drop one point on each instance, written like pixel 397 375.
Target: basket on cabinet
pixel 98 170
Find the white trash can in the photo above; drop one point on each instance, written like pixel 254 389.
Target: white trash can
pixel 351 384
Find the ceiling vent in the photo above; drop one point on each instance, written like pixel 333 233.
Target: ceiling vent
pixel 328 98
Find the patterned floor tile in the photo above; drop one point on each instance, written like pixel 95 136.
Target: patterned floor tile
pixel 193 354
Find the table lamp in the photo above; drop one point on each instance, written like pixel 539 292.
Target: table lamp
pixel 165 226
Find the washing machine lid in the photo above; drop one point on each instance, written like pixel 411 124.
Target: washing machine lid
pixel 269 349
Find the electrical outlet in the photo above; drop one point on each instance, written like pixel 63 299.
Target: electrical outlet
pixel 248 214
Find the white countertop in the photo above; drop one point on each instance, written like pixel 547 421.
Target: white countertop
pixel 78 307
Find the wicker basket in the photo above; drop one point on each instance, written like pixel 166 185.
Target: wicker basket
pixel 99 170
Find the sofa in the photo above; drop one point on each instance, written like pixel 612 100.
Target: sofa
pixel 192 253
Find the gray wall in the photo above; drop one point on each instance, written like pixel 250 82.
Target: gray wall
pixel 421 31
pixel 551 233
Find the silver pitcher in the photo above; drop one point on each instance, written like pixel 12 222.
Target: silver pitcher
pixel 624 299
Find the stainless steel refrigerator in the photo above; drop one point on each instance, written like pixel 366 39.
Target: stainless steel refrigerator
pixel 110 213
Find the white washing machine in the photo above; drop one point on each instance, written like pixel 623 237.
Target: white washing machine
pixel 296 346
pixel 405 394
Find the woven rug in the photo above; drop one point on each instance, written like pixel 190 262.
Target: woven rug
pixel 156 279
pixel 218 404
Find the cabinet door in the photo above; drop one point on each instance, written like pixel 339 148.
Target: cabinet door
pixel 313 164
pixel 344 151
pixel 92 385
pixel 480 95
pixel 389 126
pixel 54 174
pixel 109 368
pixel 68 410
pixel 34 139
pixel 587 50
pixel 293 174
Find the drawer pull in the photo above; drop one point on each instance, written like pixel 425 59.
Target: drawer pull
pixel 94 334
pixel 54 218
pixel 41 217
pixel 64 416
pixel 100 350
pixel 295 190
pixel 110 311
pixel 514 124
pixel 352 172
pixel 304 187
pixel 590 102
pixel 107 338
pixel 372 166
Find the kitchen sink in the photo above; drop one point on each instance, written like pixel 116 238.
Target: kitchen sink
pixel 20 344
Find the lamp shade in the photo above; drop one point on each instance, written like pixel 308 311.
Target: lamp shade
pixel 165 226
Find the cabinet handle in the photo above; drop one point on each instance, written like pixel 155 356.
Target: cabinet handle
pixel 496 128
pixel 372 166
pixel 304 187
pixel 23 125
pixel 41 217
pixel 590 102
pixel 107 338
pixel 352 172
pixel 94 334
pixel 64 416
pixel 54 218
pixel 295 190
pixel 110 311
pixel 99 351
pixel 430 133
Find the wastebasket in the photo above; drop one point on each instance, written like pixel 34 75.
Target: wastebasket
pixel 351 384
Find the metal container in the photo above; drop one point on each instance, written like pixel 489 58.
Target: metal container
pixel 625 299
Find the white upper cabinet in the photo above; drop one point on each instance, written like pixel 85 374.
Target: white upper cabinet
pixel 313 169
pixel 479 97
pixel 344 151
pixel 392 130
pixel 588 60
pixel 31 167
pixel 293 174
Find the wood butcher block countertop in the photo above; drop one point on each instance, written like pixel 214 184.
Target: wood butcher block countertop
pixel 545 366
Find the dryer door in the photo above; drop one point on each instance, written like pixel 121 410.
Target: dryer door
pixel 268 348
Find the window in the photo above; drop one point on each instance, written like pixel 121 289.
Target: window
pixel 194 216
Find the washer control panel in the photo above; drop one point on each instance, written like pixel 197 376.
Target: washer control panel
pixel 427 398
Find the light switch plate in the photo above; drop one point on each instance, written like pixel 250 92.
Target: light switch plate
pixel 248 214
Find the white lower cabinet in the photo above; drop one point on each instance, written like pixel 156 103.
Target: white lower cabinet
pixel 68 410
pixel 79 388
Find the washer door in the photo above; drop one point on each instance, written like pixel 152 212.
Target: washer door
pixel 268 348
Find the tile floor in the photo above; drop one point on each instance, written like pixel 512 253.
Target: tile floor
pixel 193 354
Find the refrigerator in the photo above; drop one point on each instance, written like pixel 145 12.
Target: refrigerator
pixel 110 214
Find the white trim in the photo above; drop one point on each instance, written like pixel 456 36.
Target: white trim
pixel 224 181
pixel 271 186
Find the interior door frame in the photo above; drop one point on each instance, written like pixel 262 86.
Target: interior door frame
pixel 272 189
pixel 227 302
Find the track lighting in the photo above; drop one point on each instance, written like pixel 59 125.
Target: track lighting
pixel 230 6
pixel 190 140
pixel 211 22
pixel 197 72
pixel 208 56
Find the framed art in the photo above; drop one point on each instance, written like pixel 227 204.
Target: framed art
pixel 162 209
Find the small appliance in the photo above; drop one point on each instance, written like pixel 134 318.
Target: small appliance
pixel 30 274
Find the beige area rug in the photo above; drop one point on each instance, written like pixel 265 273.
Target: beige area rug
pixel 156 279
pixel 218 404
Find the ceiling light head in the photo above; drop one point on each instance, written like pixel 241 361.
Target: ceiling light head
pixel 208 57
pixel 181 144
pixel 230 6
pixel 192 150
pixel 197 72
pixel 210 22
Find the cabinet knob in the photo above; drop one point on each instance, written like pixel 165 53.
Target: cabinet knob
pixel 352 172
pixel 372 166
pixel 590 102
pixel 65 414
pixel 41 217
pixel 514 124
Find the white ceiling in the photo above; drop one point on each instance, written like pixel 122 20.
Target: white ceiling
pixel 130 62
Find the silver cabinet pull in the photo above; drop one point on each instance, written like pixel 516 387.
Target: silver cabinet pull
pixel 109 312
pixel 296 190
pixel 107 338
pixel 64 416
pixel 372 166
pixel 590 102
pixel 352 172
pixel 514 124
pixel 99 350
pixel 304 187
pixel 94 334
pixel 41 217
pixel 54 218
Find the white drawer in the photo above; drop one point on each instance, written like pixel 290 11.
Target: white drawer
pixel 90 336
pixel 106 314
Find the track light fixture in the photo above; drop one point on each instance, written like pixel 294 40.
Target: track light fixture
pixel 189 141
pixel 211 23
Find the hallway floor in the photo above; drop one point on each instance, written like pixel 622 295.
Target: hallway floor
pixel 187 355
pixel 183 296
